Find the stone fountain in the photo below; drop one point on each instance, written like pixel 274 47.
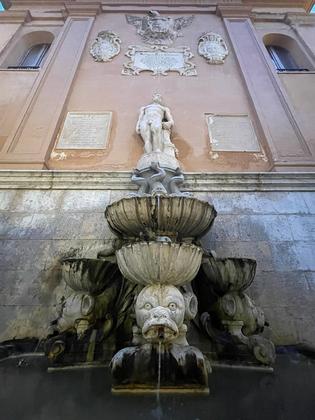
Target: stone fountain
pixel 160 228
pixel 135 303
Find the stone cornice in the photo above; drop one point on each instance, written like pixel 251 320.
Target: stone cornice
pixel 233 11
pixel 305 4
pixel 83 9
pixel 196 182
pixel 300 20
pixel 15 16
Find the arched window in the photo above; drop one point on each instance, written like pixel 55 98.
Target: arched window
pixel 282 58
pixel 33 57
pixel 285 53
pixel 29 51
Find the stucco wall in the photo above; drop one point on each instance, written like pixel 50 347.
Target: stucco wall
pixel 217 89
pixel 301 90
pixel 39 226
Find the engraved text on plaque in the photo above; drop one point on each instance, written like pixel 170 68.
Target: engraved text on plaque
pixel 85 130
pixel 159 60
pixel 232 133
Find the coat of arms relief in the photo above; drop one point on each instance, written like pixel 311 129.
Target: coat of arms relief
pixel 213 48
pixel 155 29
pixel 106 46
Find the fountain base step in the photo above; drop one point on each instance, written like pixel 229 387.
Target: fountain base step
pixel 144 390
pixel 169 369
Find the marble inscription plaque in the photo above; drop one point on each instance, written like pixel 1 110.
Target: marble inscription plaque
pixel 159 60
pixel 232 133
pixel 85 130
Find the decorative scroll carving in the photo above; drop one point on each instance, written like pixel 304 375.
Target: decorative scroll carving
pixel 106 46
pixel 159 60
pixel 213 48
pixel 155 29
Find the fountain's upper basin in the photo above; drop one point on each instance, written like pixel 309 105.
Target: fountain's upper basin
pixel 174 216
pixel 87 274
pixel 229 274
pixel 159 262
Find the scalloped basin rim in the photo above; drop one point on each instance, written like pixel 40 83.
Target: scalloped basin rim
pixel 228 274
pixel 159 262
pixel 182 217
pixel 87 274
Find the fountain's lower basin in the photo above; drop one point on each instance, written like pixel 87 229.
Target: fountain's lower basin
pixel 159 262
pixel 173 216
pixel 229 274
pixel 87 274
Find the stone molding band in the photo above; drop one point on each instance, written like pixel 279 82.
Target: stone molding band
pixel 195 182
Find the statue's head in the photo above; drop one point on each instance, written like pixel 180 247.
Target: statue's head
pixel 160 312
pixel 157 99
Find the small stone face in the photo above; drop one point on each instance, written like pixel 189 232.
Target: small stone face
pixel 160 311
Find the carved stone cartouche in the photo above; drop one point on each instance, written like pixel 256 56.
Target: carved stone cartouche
pixel 213 48
pixel 159 60
pixel 106 46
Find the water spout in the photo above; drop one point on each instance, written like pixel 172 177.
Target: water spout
pixel 160 335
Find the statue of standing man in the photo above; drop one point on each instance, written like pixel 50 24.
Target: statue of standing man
pixel 154 125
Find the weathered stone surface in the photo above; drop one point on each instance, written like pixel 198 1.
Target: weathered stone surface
pixel 40 226
pixel 270 228
pixel 36 201
pixel 85 201
pixel 309 199
pixel 259 251
pixel 259 203
pixel 6 199
pixel 305 254
pixel 302 227
pixel 226 227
